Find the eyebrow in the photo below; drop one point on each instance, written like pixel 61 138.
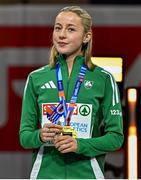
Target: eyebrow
pixel 67 24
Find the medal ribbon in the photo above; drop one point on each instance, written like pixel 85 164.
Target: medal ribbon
pixel 62 108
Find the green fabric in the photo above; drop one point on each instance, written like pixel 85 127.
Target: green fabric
pixel 106 120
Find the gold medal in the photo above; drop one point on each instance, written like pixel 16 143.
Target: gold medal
pixel 68 130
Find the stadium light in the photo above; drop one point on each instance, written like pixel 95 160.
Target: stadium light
pixel 132 135
pixel 114 65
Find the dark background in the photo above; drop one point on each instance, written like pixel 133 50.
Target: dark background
pixel 116 2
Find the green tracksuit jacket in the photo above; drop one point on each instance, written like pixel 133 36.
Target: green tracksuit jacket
pixel 97 119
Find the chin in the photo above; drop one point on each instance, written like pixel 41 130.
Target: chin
pixel 63 52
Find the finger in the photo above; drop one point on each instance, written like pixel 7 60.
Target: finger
pixel 58 126
pixel 50 125
pixel 64 147
pixel 72 147
pixel 51 130
pixel 67 150
pixel 46 139
pixel 63 139
pixel 46 130
pixel 58 140
pixel 48 134
pixel 55 130
pixel 58 144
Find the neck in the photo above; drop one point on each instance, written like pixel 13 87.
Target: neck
pixel 70 65
pixel 70 61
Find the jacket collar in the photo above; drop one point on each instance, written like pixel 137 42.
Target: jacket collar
pixel 79 60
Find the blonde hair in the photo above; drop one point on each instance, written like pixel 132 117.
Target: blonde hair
pixel 86 48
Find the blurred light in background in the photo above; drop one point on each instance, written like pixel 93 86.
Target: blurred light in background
pixel 132 135
pixel 114 65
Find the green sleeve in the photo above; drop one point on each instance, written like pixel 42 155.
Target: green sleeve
pixel 113 124
pixel 29 131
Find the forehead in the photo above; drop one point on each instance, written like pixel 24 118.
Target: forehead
pixel 68 17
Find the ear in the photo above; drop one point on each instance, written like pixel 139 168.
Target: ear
pixel 87 37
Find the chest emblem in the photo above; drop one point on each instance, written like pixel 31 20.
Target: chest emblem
pixel 88 84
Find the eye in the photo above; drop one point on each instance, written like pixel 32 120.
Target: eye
pixel 71 29
pixel 57 28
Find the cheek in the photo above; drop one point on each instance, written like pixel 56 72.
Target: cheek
pixel 54 37
pixel 77 40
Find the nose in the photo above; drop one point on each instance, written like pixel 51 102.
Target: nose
pixel 62 34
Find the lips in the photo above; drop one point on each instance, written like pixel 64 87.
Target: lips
pixel 62 44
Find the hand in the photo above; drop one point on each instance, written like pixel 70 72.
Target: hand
pixel 49 131
pixel 65 143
